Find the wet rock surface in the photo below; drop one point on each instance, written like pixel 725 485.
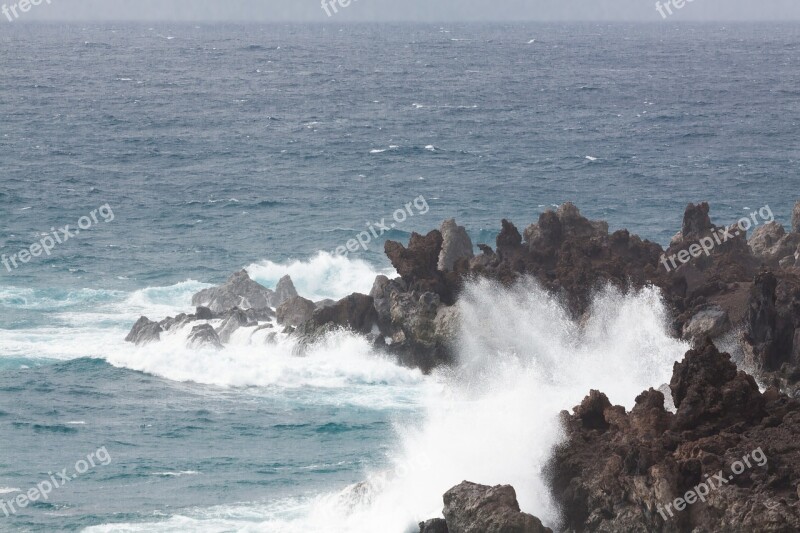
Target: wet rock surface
pixel 473 508
pixel 618 470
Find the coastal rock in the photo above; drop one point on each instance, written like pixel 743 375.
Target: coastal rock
pixel 765 237
pixel 796 218
pixel 204 335
pixel 239 291
pixel 235 319
pixel 456 245
pixel 327 302
pixel 418 264
pixel 356 312
pixel 295 311
pixel 770 328
pixel 618 471
pixel 773 246
pixel 696 222
pixel 420 259
pixel 176 322
pixel 436 525
pixel 283 291
pixel 473 508
pixel 446 324
pixel 203 313
pixel 144 331
pixel 710 322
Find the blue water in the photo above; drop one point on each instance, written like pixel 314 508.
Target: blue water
pixel 220 147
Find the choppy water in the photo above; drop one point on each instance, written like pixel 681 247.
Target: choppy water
pixel 222 147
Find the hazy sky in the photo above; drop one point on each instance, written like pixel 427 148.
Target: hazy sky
pixel 417 10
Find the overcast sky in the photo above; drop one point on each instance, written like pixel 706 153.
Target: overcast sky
pixel 413 10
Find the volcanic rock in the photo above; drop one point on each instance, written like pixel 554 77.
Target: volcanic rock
pixel 204 335
pixel 239 291
pixel 617 471
pixel 283 291
pixel 144 331
pixel 473 508
pixel 456 245
pixel 295 311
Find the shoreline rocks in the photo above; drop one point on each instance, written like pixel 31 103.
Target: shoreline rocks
pixel 473 508
pixel 618 470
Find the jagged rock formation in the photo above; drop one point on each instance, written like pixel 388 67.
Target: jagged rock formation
pixel 284 290
pixel 295 311
pixel 239 291
pixel 204 335
pixel 618 471
pixel 473 508
pixel 456 245
pixel 144 331
pixel 707 275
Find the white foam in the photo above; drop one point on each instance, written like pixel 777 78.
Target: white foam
pixel 323 276
pixel 491 420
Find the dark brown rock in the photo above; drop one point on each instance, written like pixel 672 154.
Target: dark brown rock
pixel 617 471
pixel 473 508
pixel 356 312
pixel 436 525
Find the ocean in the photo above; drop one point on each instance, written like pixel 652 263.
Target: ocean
pixel 196 150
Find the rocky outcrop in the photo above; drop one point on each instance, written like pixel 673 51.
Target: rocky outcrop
pixel 284 290
pixel 239 291
pixel 456 245
pixel 636 471
pixel 707 276
pixel 144 331
pixel 796 218
pixel 355 312
pixel 203 336
pixel 473 508
pixel 235 319
pixel 711 322
pixel 435 525
pixel 772 329
pixel 774 247
pixel 295 311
